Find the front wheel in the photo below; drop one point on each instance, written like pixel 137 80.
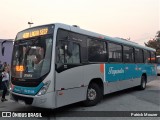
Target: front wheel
pixel 143 83
pixel 94 95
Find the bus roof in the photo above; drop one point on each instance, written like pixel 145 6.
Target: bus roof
pixel 89 33
pixel 77 29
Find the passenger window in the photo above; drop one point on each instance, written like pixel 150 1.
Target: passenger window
pixel 138 56
pixel 153 57
pixel 147 57
pixel 68 52
pixel 73 53
pixel 97 51
pixel 128 55
pixel 61 52
pixel 115 52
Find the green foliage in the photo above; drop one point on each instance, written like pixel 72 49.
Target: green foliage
pixel 155 43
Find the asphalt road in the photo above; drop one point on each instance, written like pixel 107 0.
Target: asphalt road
pixel 127 101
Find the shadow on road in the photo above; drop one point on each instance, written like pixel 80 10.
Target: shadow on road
pixel 75 109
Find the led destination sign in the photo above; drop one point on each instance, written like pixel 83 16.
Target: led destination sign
pixel 35 32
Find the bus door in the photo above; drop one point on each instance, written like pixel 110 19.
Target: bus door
pixel 69 73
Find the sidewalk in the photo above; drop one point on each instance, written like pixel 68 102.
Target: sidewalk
pixel 1 93
pixel 7 97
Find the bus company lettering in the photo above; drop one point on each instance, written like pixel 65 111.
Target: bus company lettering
pixel 114 72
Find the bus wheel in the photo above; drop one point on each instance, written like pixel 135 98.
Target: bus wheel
pixel 94 95
pixel 143 83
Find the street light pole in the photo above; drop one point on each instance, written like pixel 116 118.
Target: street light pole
pixel 30 23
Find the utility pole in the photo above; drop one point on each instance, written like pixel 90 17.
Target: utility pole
pixel 30 23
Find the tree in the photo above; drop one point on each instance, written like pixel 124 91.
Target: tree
pixel 155 43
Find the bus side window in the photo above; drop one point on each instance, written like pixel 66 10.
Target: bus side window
pixel 68 52
pixel 115 52
pixel 128 54
pixel 153 57
pixel 73 53
pixel 158 60
pixel 61 52
pixel 61 55
pixel 97 51
pixel 138 55
pixel 147 58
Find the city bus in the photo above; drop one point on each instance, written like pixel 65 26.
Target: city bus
pixel 56 65
pixel 158 65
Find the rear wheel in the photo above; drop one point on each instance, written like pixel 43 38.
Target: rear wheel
pixel 94 95
pixel 143 83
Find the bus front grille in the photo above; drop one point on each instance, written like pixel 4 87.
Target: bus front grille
pixel 27 100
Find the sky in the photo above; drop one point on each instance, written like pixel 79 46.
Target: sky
pixel 138 20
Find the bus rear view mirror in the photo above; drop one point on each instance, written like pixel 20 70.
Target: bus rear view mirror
pixel 3 49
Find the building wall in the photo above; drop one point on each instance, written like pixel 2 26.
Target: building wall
pixel 8 45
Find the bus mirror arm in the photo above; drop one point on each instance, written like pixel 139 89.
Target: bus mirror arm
pixel 2 47
pixel 59 65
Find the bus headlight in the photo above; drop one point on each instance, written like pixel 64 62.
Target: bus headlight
pixel 11 88
pixel 43 90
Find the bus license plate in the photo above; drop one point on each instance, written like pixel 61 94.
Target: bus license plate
pixel 21 102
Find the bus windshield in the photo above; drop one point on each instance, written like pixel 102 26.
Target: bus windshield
pixel 32 57
pixel 158 60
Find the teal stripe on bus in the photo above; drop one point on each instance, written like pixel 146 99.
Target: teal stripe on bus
pixel 28 90
pixel 117 72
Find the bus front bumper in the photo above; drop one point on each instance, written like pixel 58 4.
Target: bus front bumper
pixel 44 101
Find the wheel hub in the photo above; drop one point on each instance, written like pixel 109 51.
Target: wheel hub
pixel 91 94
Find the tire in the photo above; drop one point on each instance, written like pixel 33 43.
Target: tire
pixel 143 83
pixel 94 95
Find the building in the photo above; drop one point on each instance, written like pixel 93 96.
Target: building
pixel 6 48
